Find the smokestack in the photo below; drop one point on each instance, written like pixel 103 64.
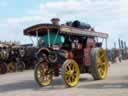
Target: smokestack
pixel 115 45
pixel 122 44
pixel 125 44
pixel 119 43
pixel 55 21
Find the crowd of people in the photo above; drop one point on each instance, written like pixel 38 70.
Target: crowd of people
pixel 115 55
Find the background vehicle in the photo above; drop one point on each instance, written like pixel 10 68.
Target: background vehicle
pixel 68 49
pixel 30 56
pixel 4 54
pixel 11 57
pixel 15 60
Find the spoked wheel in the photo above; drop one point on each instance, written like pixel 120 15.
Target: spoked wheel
pixel 20 66
pixel 70 73
pixel 99 64
pixel 11 67
pixel 43 74
pixel 3 68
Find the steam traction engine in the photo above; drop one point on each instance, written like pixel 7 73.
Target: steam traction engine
pixel 15 60
pixel 68 50
pixel 11 57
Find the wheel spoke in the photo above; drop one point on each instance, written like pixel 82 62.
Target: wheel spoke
pixel 69 67
pixel 66 68
pixel 72 66
pixel 103 63
pixel 67 73
pixel 73 77
pixel 98 65
pixel 98 62
pixel 102 56
pixel 101 70
pixel 68 79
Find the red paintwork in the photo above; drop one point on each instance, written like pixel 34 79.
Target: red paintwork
pixel 87 56
pixel 78 56
pixel 56 70
pixel 87 51
pixel 70 55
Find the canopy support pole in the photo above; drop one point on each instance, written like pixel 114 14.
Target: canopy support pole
pixel 37 35
pixel 56 37
pixel 106 43
pixel 31 39
pixel 49 38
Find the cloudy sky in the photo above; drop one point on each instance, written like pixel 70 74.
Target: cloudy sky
pixel 109 16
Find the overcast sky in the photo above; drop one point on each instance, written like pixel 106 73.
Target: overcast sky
pixel 109 16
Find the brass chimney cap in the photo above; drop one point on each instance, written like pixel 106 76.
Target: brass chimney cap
pixel 55 21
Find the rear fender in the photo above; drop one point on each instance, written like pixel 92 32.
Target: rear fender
pixel 42 54
pixel 44 50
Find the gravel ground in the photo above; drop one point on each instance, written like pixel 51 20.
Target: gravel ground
pixel 23 84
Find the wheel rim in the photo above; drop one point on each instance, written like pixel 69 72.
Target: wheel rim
pixel 102 63
pixel 44 75
pixel 71 73
pixel 11 67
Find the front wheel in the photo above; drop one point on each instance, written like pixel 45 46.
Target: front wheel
pixel 11 67
pixel 20 66
pixel 42 74
pixel 99 64
pixel 70 73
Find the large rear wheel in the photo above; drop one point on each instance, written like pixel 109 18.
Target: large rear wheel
pixel 99 64
pixel 70 73
pixel 43 75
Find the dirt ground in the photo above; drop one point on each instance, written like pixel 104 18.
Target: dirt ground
pixel 23 84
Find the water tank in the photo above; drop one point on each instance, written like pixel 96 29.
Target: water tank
pixel 81 25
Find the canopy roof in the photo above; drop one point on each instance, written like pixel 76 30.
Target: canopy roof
pixel 42 29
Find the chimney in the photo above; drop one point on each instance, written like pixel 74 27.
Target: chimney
pixel 55 21
pixel 119 41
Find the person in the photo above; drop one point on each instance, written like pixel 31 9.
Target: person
pixel 110 56
pixel 113 56
pixel 120 57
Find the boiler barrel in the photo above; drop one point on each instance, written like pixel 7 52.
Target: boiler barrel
pixel 81 25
